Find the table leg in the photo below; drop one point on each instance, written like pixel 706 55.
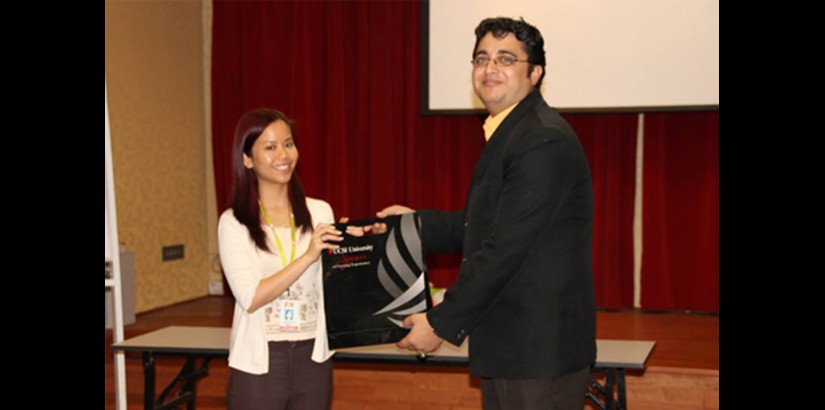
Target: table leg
pixel 148 381
pixel 594 389
pixel 622 395
pixel 183 387
pixel 610 382
pixel 191 382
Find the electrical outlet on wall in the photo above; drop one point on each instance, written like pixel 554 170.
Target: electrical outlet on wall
pixel 215 288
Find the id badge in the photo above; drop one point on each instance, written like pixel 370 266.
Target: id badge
pixel 289 318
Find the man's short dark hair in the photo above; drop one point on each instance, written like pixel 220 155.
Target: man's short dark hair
pixel 524 32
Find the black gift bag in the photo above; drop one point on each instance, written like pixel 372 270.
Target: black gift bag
pixel 371 283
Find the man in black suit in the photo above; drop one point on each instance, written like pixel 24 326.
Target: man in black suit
pixel 525 289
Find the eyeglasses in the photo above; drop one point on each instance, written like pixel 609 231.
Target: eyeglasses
pixel 481 61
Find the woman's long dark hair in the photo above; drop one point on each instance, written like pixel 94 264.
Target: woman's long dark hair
pixel 245 196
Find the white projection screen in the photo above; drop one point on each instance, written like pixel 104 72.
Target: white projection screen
pixel 602 55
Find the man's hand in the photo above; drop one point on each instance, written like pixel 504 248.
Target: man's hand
pixel 421 339
pixel 353 230
pixel 394 210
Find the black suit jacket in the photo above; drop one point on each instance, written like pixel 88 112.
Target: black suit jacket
pixel 524 293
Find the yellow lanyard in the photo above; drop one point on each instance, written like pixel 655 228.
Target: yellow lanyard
pixel 277 240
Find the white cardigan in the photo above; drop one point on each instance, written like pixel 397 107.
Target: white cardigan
pixel 242 265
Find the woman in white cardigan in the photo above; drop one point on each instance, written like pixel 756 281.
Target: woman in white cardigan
pixel 270 241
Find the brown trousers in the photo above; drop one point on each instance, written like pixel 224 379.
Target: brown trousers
pixel 557 393
pixel 293 382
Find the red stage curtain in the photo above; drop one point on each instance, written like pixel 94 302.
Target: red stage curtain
pixel 349 73
pixel 610 143
pixel 680 257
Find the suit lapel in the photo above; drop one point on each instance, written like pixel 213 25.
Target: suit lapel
pixel 500 137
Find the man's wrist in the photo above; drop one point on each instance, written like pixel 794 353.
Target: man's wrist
pixel 427 316
pixel 435 332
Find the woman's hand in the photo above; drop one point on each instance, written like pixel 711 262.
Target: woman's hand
pixel 324 237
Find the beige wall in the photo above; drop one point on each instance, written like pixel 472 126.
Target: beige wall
pixel 155 77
